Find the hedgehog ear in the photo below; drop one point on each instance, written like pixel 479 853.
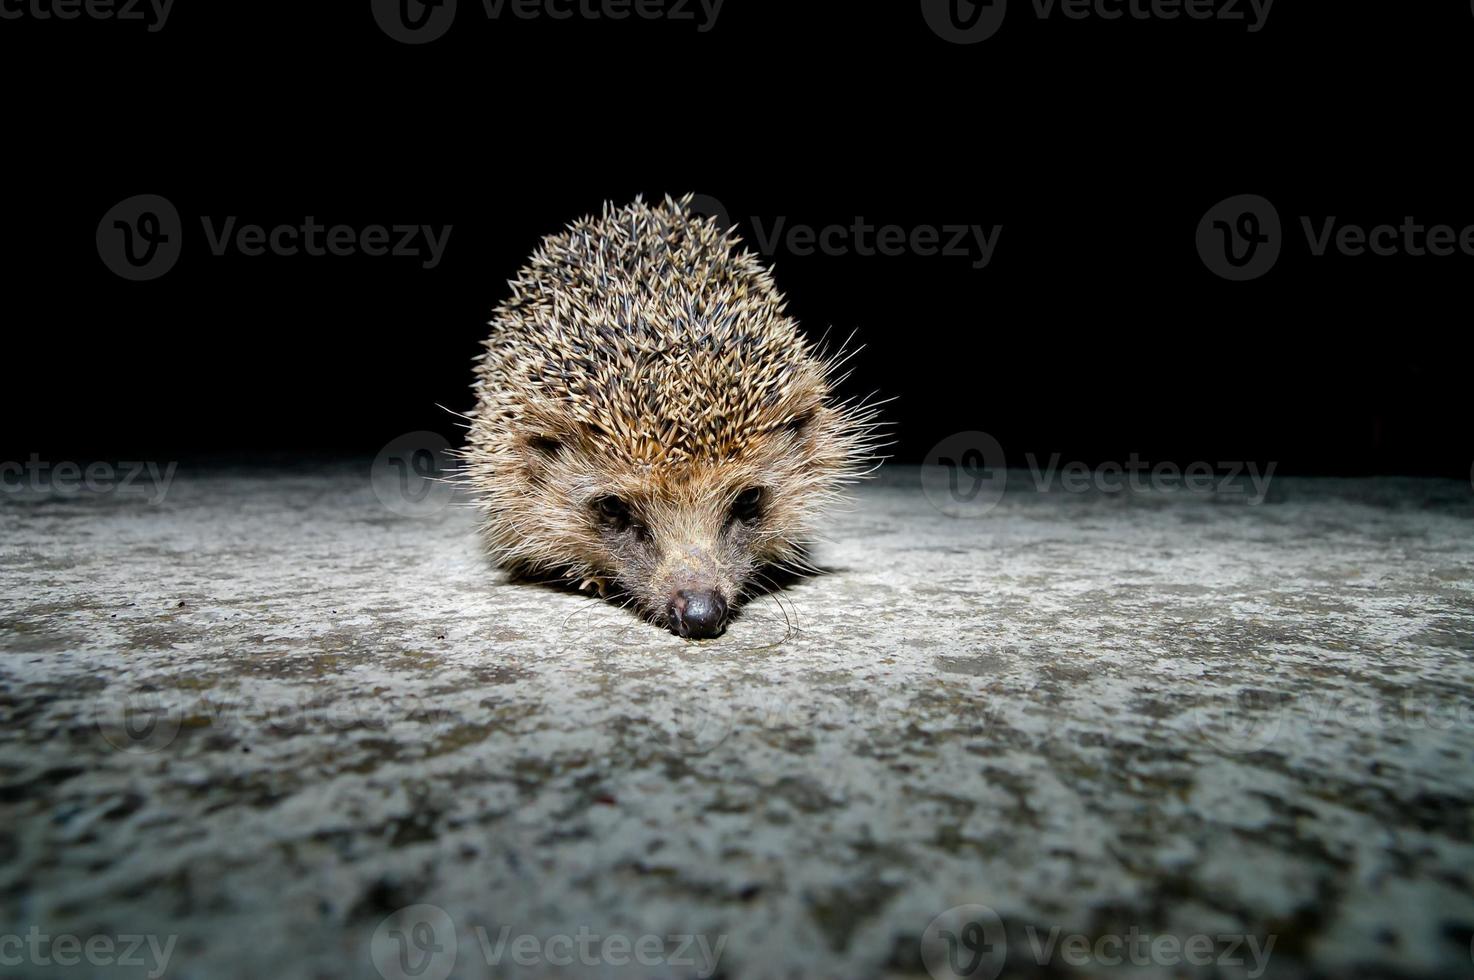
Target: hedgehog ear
pixel 799 424
pixel 543 444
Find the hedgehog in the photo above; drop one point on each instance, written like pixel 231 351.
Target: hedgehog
pixel 651 424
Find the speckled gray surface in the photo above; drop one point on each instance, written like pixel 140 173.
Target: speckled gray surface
pixel 1162 715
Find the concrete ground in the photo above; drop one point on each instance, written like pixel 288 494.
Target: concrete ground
pixel 284 724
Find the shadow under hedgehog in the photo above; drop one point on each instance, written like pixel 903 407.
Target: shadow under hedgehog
pixel 649 422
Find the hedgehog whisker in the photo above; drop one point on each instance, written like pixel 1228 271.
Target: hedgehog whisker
pixel 773 590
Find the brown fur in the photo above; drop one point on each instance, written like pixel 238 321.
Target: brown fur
pixel 642 356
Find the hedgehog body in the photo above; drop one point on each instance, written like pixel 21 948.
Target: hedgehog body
pixel 649 419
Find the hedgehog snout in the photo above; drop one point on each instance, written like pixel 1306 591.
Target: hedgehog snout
pixel 697 614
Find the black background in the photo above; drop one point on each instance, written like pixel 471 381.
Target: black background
pixel 1095 333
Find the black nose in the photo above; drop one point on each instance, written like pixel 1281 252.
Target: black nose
pixel 697 615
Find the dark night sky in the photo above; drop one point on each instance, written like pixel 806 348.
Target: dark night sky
pixel 1095 331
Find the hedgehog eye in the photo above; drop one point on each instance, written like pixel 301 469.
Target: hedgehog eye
pixel 615 514
pixel 748 506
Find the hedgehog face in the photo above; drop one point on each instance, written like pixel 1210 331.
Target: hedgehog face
pixel 682 556
pixel 683 543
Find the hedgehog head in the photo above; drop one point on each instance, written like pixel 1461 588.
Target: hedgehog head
pixel 649 419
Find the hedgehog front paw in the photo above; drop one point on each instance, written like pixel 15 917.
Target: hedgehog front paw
pixel 597 585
